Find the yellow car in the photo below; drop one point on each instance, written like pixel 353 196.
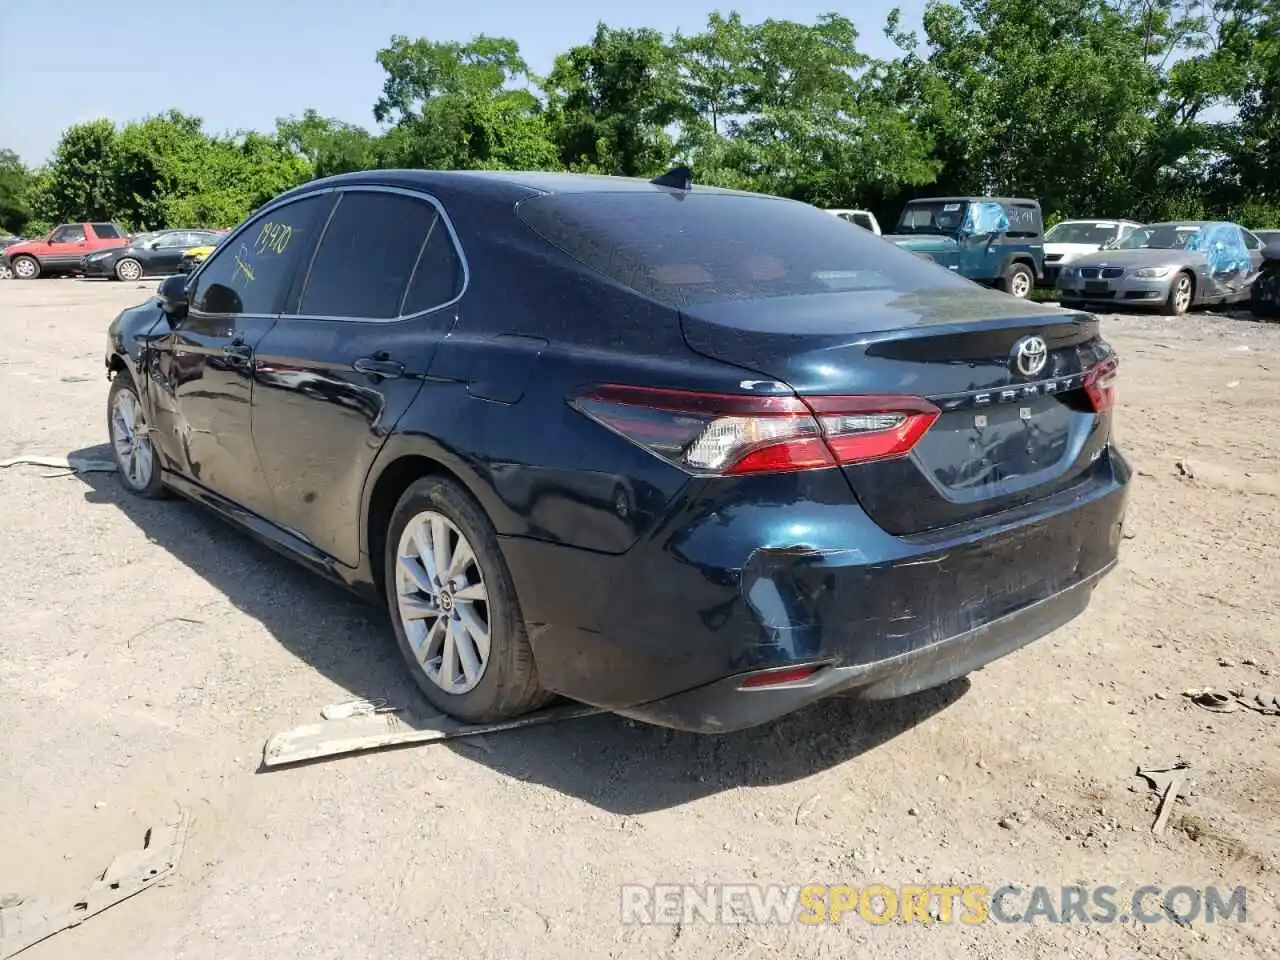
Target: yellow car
pixel 193 257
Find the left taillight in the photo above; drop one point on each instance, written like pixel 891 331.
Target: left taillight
pixel 735 434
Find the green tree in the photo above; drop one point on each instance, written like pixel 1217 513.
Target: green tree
pixel 611 103
pixel 461 106
pixel 79 182
pixel 15 186
pixel 796 110
pixel 331 146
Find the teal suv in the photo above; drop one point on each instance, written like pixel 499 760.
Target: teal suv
pixel 995 241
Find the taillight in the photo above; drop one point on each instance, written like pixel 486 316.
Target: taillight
pixel 1100 385
pixel 733 434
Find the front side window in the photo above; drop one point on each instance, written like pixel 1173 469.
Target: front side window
pixel 72 233
pixel 934 216
pixel 252 273
pixel 368 254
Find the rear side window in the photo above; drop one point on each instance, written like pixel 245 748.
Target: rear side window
pixel 703 248
pixel 106 231
pixel 862 220
pixel 1024 220
pixel 367 256
pixel 438 276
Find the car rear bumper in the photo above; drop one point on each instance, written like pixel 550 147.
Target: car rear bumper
pixel 90 268
pixel 796 574
pixel 726 705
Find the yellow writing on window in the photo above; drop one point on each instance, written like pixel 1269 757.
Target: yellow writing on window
pixel 273 238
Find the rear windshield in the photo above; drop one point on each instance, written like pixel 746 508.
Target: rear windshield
pixel 708 248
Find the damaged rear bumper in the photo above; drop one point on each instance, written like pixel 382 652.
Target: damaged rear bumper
pixel 726 705
pixel 788 572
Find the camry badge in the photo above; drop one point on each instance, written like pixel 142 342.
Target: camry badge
pixel 1030 355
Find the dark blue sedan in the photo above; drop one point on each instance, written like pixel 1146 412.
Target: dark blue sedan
pixel 694 456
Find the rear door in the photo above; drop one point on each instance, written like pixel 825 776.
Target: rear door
pixel 346 360
pixel 203 382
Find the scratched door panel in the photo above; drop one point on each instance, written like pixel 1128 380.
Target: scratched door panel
pixel 205 377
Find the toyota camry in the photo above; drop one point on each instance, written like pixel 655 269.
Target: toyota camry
pixel 694 456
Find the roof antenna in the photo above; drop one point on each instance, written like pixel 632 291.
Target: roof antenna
pixel 678 178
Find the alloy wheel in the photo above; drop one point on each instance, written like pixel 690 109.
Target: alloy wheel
pixel 24 268
pixel 1182 293
pixel 129 270
pixel 130 438
pixel 1020 285
pixel 5 272
pixel 442 602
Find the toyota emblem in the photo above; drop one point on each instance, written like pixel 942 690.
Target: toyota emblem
pixel 1030 355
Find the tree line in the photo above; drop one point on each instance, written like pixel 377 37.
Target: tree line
pixel 1150 109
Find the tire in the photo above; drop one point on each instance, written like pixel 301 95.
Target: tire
pixel 505 685
pixel 1182 292
pixel 128 270
pixel 1018 280
pixel 136 462
pixel 25 268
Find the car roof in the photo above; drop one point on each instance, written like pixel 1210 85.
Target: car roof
pixel 498 183
pixel 973 197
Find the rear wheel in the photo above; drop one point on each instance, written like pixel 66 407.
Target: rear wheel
pixel 454 608
pixel 1181 292
pixel 128 270
pixel 5 272
pixel 131 440
pixel 26 268
pixel 1018 280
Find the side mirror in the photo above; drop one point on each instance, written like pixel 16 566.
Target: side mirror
pixel 173 297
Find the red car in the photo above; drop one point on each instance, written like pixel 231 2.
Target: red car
pixel 61 251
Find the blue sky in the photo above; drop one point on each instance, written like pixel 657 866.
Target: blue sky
pixel 243 63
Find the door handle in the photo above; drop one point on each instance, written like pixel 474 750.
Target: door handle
pixel 379 367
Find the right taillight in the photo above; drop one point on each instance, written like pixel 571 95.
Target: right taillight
pixel 734 434
pixel 1100 385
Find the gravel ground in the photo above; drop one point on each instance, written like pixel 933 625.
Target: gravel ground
pixel 147 651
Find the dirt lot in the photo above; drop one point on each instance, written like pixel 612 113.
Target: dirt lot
pixel 114 714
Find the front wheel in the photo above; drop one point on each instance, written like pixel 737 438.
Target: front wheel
pixel 128 270
pixel 454 608
pixel 26 268
pixel 130 434
pixel 1181 292
pixel 1018 281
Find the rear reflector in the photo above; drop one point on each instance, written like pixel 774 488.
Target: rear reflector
pixel 1100 385
pixel 776 678
pixel 734 434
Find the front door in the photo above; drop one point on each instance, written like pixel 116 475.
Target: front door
pixel 168 251
pixel 67 246
pixel 203 383
pixel 340 368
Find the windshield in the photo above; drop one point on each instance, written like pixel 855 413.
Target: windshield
pixel 1079 231
pixel 932 217
pixel 708 248
pixel 1162 236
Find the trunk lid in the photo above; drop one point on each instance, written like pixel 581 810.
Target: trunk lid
pixel 1004 437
